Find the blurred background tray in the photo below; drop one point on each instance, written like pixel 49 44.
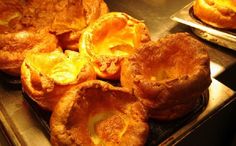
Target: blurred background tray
pixel 225 38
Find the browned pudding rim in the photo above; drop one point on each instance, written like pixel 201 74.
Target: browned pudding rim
pixel 156 93
pixel 67 105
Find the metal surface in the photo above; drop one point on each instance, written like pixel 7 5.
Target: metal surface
pixel 24 128
pixel 20 123
pixel 219 97
pixel 221 37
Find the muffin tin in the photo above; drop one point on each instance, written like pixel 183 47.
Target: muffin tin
pixel 225 38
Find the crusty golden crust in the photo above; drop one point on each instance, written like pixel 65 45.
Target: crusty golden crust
pixel 46 77
pixel 111 38
pixel 96 113
pixel 10 14
pixel 15 46
pixel 65 15
pixel 81 15
pixel 70 38
pixel 175 111
pixel 170 72
pixel 65 19
pixel 220 14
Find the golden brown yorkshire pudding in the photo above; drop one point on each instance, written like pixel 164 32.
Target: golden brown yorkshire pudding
pixel 46 77
pixel 65 18
pixel 16 40
pixel 15 46
pixel 217 13
pixel 72 17
pixel 111 38
pixel 168 76
pixel 21 22
pixel 97 113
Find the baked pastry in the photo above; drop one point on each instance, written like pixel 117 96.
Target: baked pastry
pixel 111 38
pixel 168 76
pixel 46 77
pixel 217 13
pixel 15 46
pixel 66 20
pixel 72 17
pixel 26 25
pixel 10 13
pixel 97 113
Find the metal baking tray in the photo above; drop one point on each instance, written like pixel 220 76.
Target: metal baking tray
pixel 159 130
pixel 225 38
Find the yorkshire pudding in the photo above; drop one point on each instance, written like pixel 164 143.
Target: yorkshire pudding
pixel 27 25
pixel 217 13
pixel 10 13
pixel 97 113
pixel 72 16
pixel 66 20
pixel 16 42
pixel 111 38
pixel 168 76
pixel 46 77
pixel 15 46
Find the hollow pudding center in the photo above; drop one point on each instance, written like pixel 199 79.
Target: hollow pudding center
pixel 115 38
pixel 59 67
pixel 105 127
